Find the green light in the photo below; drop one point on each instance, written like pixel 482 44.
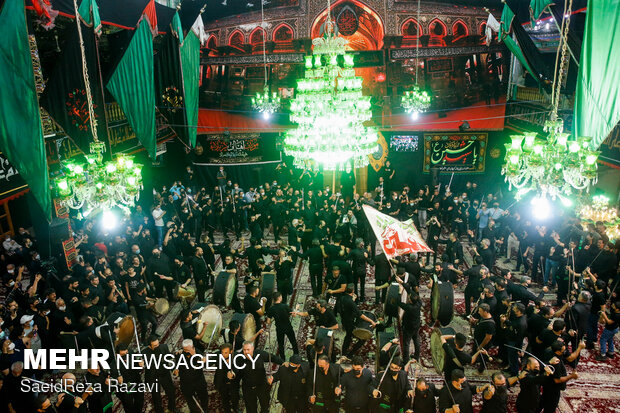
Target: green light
pixel 131 181
pixel 99 185
pixel 78 169
pixel 110 168
pixel 63 185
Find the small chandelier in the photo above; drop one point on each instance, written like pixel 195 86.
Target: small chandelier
pixel 600 211
pixel 96 184
pixel 265 103
pixel 416 101
pixel 330 110
pixel 555 166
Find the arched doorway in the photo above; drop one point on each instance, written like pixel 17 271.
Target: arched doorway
pixel 356 22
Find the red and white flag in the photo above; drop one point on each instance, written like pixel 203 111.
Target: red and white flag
pixel 396 237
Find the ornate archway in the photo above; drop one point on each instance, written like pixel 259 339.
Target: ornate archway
pixel 356 22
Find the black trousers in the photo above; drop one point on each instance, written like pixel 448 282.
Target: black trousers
pixel 132 402
pixel 197 390
pixel 380 294
pixel 360 276
pixel 470 292
pixel 348 339
pixel 230 398
pixel 255 395
pixel 408 336
pixel 316 279
pixel 288 332
pixel 285 286
pixel 202 285
pixel 549 400
pixel 538 262
pixel 168 285
pixel 165 384
pixel 295 406
pixel 146 318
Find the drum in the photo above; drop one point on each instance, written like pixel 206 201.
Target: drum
pixel 383 337
pixel 442 302
pixel 185 295
pixel 248 325
pixel 224 288
pixel 325 336
pixel 125 331
pixel 363 329
pixel 212 317
pixel 437 352
pixel 268 287
pixel 392 298
pixel 161 306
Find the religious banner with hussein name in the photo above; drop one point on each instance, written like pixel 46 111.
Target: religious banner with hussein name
pixel 11 182
pixel 395 237
pixel 238 149
pixel 455 152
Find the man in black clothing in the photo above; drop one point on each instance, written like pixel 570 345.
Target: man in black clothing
pixel 322 389
pixel 456 395
pixel 484 331
pixel 159 271
pixel 281 313
pixel 516 330
pixel 193 382
pixel 189 327
pixel 133 402
pixel 142 304
pixel 359 258
pixel 411 322
pixel 350 314
pixel 315 254
pixel 203 275
pixel 495 395
pixel 576 319
pixel 356 385
pixel 182 274
pixel 599 298
pixel 254 380
pixel 456 358
pixel 424 398
pixel 486 253
pixel 324 316
pixel 292 392
pixel 159 377
pixel 253 306
pixel 392 389
pixel 382 277
pixel 530 381
pixel 552 388
pixel 226 383
pixel 520 292
pixel 474 284
pixel 337 284
pixel 230 267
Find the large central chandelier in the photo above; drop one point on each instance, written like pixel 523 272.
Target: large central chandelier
pixel 330 110
pixel 554 167
pixel 95 184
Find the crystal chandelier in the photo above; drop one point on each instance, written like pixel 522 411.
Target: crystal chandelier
pixel 330 110
pixel 554 167
pixel 417 100
pixel 97 184
pixel 600 211
pixel 265 103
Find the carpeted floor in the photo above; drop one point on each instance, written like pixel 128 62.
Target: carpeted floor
pixel 597 390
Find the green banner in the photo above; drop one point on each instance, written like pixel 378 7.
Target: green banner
pixel 190 62
pixel 516 50
pixel 89 13
pixel 537 8
pixel 21 135
pixel 597 99
pixel 133 86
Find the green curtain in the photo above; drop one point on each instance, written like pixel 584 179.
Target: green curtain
pixel 597 99
pixel 505 21
pixel 89 13
pixel 516 50
pixel 21 135
pixel 176 27
pixel 133 86
pixel 537 7
pixel 190 62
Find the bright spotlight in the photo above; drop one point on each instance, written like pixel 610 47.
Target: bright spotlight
pixel 109 220
pixel 566 201
pixel 541 209
pixel 266 115
pixel 415 115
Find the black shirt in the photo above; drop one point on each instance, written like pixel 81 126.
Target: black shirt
pixel 350 312
pixel 326 319
pixel 424 401
pixel 483 327
pixel 450 363
pixel 281 313
pixel 356 389
pixel 463 397
pixel 251 306
pixel 529 394
pixel 498 403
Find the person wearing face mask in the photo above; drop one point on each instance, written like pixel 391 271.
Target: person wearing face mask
pixel 456 395
pixel 292 392
pixel 495 396
pixel 44 405
pixel 9 356
pixel 322 390
pixel 392 389
pixel 356 385
pixel 530 380
pixel 159 271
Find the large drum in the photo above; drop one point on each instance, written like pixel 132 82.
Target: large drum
pixel 125 331
pixel 392 298
pixel 437 352
pixel 211 316
pixel 325 336
pixel 383 337
pixel 224 289
pixel 442 302
pixel 363 329
pixel 268 287
pixel 161 306
pixel 248 325
pixel 185 295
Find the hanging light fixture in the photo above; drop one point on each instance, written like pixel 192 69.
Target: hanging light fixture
pixel 598 210
pixel 329 109
pixel 556 166
pixel 96 184
pixel 265 103
pixel 416 100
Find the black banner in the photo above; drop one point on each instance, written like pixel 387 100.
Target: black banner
pixel 455 152
pixel 64 97
pixel 237 149
pixel 11 181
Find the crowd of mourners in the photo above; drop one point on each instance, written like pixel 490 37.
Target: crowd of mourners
pixel 483 242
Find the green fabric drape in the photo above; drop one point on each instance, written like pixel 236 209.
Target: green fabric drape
pixel 190 62
pixel 176 27
pixel 516 50
pixel 505 22
pixel 89 13
pixel 133 86
pixel 597 99
pixel 21 135
pixel 537 7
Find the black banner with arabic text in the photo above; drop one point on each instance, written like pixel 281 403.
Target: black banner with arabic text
pixel 238 149
pixel 11 182
pixel 455 152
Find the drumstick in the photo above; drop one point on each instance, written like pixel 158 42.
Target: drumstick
pixel 385 371
pixel 415 383
pixel 316 355
pixel 135 330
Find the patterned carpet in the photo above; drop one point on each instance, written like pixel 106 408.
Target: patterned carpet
pixel 597 390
